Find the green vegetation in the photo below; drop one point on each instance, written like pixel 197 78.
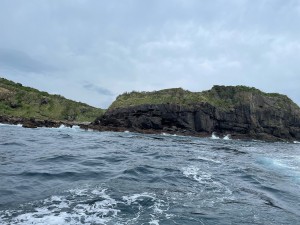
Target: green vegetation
pixel 172 96
pixel 224 97
pixel 19 101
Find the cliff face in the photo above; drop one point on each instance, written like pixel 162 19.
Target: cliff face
pixel 240 111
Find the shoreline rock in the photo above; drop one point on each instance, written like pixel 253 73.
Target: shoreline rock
pixel 35 123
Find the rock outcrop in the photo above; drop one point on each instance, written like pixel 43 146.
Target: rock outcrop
pixel 240 111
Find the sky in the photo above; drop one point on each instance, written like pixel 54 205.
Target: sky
pixel 93 50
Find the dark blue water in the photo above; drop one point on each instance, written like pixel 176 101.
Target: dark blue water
pixel 69 176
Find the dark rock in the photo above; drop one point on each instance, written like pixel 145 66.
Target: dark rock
pixel 44 101
pixel 256 115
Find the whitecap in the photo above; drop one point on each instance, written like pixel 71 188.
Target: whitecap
pixel 196 174
pixel 227 137
pixel 208 159
pixel 15 125
pixel 126 131
pixel 75 127
pixel 214 136
pixel 133 198
pixel 296 142
pixel 62 127
pixel 208 184
pixel 154 222
pixel 61 210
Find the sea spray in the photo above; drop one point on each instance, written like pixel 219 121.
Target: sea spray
pixel 214 136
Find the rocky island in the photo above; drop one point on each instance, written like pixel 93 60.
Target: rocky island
pixel 33 108
pixel 239 111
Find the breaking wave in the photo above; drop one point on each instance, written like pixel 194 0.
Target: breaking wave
pixel 89 206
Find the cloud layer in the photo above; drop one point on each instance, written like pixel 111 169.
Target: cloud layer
pixel 91 51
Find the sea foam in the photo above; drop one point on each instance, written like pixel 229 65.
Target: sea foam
pixel 227 137
pixel 214 136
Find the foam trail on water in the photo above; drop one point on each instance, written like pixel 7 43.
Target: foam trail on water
pixel 208 160
pixel 154 222
pixel 68 210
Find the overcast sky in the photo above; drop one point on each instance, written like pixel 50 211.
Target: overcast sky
pixel 93 50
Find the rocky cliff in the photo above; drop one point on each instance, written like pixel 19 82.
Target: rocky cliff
pixel 237 110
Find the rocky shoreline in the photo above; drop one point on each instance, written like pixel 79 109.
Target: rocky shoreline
pixel 35 123
pixel 145 119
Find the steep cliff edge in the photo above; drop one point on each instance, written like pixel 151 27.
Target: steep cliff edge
pixel 240 111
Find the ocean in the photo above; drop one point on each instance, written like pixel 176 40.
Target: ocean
pixel 58 176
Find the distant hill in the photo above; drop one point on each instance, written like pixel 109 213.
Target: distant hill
pixel 17 100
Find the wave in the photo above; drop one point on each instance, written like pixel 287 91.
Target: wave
pixel 214 136
pixel 58 158
pixel 227 137
pixel 68 176
pixel 288 167
pixel 229 150
pixel 197 174
pixel 90 206
pixel 169 135
pixel 63 127
pixel 13 144
pixel 14 125
pixel 70 209
pixel 208 159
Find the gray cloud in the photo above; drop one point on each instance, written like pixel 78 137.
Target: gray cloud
pixel 18 60
pixel 149 45
pixel 98 89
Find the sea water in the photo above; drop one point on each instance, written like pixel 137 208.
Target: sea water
pixel 57 176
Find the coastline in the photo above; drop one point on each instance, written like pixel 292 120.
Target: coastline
pixel 35 123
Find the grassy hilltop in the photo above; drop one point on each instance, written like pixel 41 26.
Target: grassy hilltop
pixel 220 96
pixel 25 102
